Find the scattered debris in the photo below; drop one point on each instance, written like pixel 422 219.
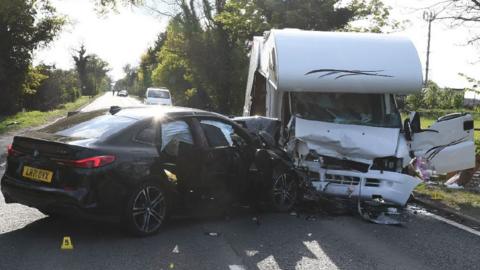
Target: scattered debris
pixel 251 253
pixel 454 186
pixel 12 123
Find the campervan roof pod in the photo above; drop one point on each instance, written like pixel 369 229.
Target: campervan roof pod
pixel 311 61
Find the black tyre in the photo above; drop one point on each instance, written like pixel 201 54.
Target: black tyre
pixel 146 209
pixel 284 189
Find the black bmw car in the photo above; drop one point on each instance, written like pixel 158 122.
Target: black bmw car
pixel 141 165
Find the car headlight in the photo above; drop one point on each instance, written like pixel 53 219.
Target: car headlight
pixel 391 164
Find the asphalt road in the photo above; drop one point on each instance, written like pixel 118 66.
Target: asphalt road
pixel 107 100
pixel 30 240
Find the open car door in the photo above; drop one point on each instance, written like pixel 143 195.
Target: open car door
pixel 447 145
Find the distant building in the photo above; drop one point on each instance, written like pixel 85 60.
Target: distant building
pixel 471 98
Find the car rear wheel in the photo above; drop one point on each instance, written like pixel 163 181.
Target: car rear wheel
pixel 146 209
pixel 284 189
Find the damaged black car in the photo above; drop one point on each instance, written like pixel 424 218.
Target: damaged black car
pixel 139 166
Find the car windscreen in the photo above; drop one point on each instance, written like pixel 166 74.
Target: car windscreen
pixel 158 94
pixel 347 108
pixel 93 125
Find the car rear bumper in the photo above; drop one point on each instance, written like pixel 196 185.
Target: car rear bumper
pixel 55 200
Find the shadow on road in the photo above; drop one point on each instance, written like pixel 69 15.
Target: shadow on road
pixel 314 240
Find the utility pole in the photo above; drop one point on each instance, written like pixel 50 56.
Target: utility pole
pixel 429 16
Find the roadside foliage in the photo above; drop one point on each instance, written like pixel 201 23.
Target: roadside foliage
pixel 202 57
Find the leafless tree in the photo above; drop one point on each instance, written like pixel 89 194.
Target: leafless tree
pixel 461 13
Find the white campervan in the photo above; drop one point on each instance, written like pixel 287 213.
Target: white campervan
pixel 334 94
pixel 158 96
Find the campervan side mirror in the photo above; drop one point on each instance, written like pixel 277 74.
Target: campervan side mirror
pixel 407 129
pixel 415 126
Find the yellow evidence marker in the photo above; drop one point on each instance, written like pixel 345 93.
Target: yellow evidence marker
pixel 66 243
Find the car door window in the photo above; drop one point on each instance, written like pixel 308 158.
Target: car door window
pixel 174 133
pixel 146 135
pixel 218 134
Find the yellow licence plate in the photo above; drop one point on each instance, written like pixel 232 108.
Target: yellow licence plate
pixel 37 174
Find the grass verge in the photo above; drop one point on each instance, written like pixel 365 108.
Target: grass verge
pixel 452 197
pixel 36 118
pixel 465 202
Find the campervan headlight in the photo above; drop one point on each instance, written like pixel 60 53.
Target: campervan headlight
pixel 391 164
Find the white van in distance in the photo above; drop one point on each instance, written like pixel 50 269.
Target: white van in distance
pixel 158 96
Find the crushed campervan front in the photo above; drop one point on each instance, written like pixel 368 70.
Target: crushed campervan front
pixel 334 94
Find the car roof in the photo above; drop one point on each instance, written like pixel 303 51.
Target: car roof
pixel 144 112
pixel 158 88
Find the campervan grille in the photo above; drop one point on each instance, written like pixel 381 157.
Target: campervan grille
pixel 372 182
pixel 342 179
pixel 350 180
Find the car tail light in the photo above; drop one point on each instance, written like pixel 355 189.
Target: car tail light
pixel 11 152
pixel 91 162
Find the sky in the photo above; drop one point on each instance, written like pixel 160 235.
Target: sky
pixel 121 38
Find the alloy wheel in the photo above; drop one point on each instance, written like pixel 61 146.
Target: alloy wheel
pixel 284 191
pixel 149 208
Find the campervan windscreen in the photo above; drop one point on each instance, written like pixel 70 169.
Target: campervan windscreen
pixel 157 93
pixel 376 110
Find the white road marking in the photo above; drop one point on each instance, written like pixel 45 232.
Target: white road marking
pixel 454 224
pixel 321 260
pixel 236 267
pixel 268 263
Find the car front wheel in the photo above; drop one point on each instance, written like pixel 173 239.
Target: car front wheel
pixel 284 190
pixel 146 209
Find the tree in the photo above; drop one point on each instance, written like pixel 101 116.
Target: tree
pixel 414 102
pixel 81 60
pixel 148 63
pixel 430 98
pixel 92 72
pixel 462 13
pixel 25 25
pixel 96 76
pixel 204 56
pixel 56 87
